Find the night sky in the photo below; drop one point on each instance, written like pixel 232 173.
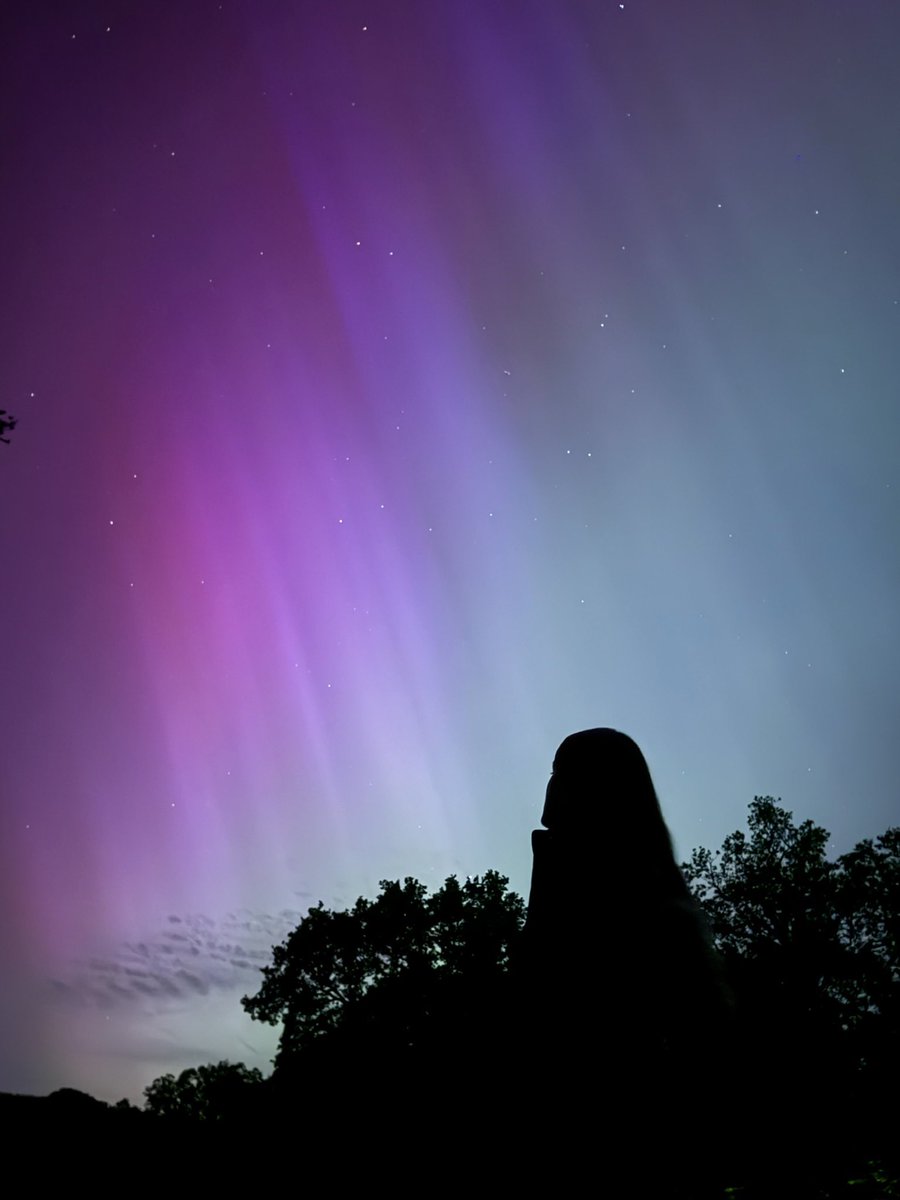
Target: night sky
pixel 401 386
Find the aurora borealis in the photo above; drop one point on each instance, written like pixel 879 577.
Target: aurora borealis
pixel 402 386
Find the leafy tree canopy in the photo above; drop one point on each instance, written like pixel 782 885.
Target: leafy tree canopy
pixel 336 966
pixel 209 1093
pixel 825 933
pixel 812 948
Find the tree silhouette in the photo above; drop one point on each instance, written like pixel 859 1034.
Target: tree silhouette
pixel 824 936
pixel 388 965
pixel 210 1093
pixel 404 1024
pixel 812 947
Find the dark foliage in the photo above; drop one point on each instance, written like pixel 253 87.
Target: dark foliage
pixel 814 938
pixel 215 1092
pixel 404 1031
pixel 812 947
pixel 386 970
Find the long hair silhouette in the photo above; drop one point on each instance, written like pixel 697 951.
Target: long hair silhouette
pixel 605 842
pixel 625 993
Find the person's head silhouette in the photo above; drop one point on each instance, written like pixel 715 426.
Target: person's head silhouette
pixel 601 784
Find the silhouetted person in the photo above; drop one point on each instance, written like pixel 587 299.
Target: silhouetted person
pixel 624 992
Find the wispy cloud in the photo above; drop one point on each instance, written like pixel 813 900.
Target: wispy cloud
pixel 193 956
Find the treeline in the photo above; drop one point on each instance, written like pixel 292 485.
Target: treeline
pixel 402 1013
pixel 404 1039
